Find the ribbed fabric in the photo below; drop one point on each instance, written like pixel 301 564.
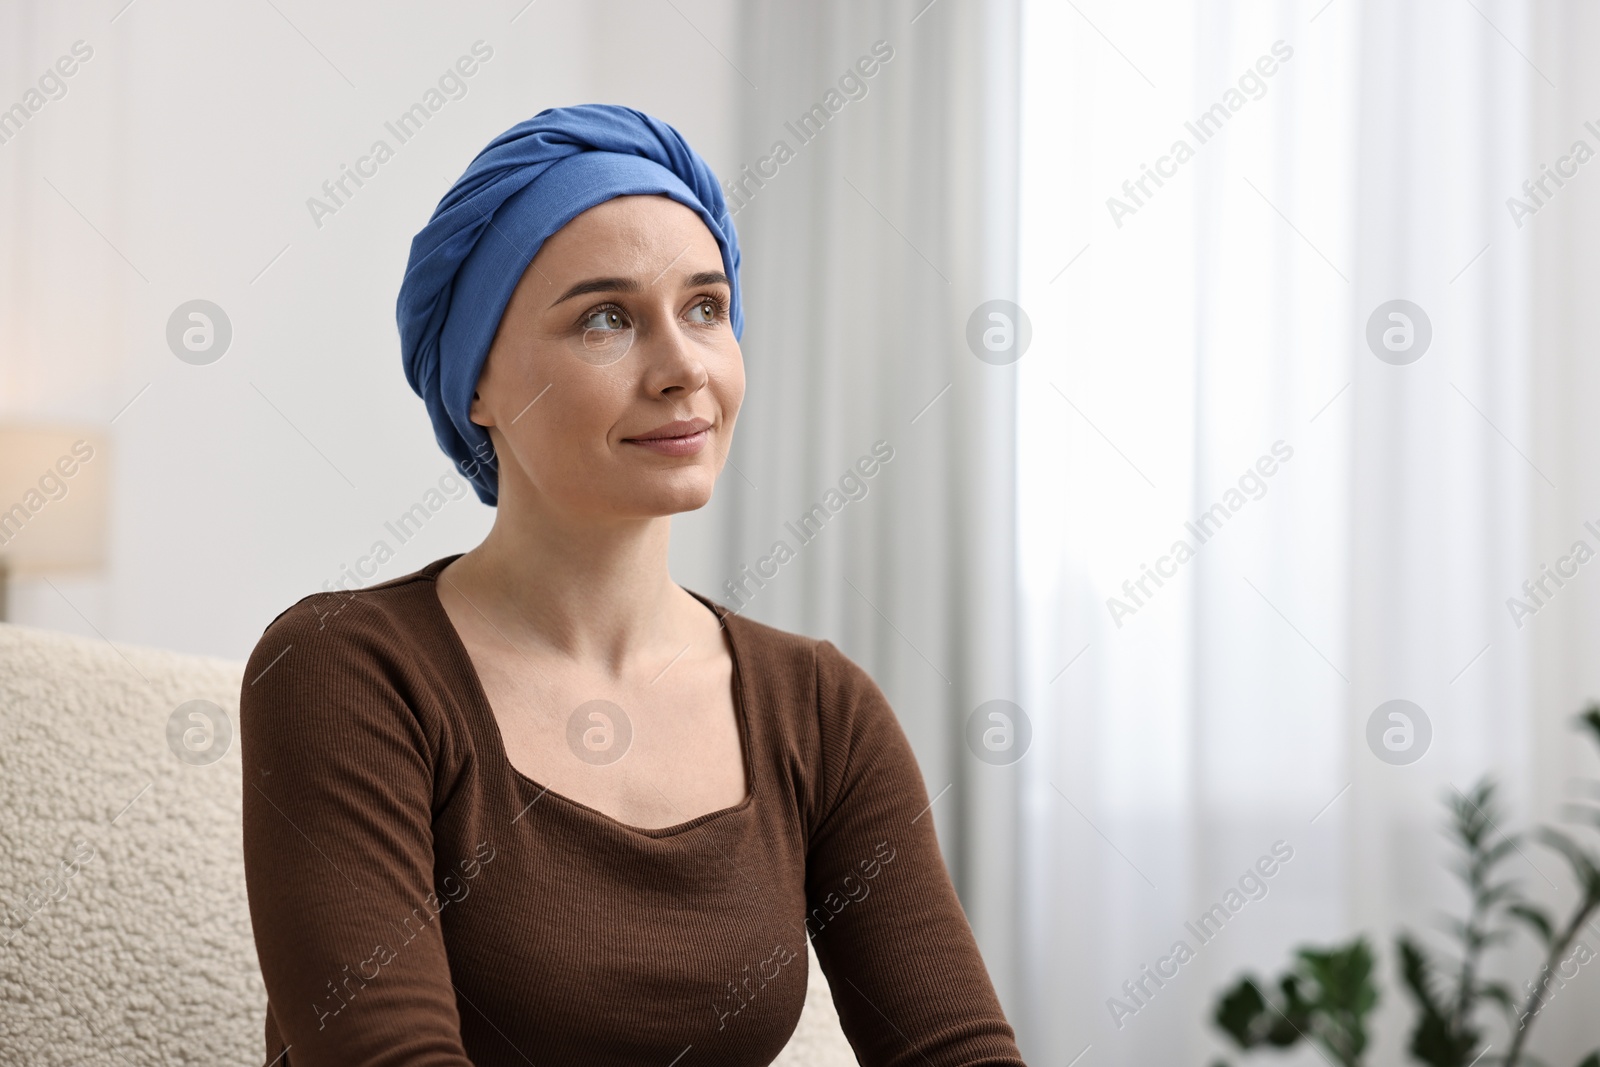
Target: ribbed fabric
pixel 417 902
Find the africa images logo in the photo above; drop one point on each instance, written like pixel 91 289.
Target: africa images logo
pixel 1207 125
pixel 1203 528
pixel 451 85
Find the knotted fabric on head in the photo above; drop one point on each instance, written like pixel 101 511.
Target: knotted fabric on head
pixel 524 186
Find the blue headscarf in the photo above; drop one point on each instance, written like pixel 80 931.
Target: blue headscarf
pixel 528 183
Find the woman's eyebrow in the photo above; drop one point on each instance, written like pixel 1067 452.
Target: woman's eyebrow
pixel 599 285
pixel 629 285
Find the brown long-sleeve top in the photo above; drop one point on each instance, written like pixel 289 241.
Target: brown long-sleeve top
pixel 418 902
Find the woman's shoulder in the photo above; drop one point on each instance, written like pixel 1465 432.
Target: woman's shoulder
pixel 385 620
pixel 811 668
pixel 825 708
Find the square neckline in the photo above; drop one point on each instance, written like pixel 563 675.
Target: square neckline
pixel 479 697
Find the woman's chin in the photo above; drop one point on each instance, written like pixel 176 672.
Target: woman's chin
pixel 684 493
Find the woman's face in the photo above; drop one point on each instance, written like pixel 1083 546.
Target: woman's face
pixel 617 331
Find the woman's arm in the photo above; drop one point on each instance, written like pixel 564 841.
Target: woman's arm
pixel 338 846
pixel 887 927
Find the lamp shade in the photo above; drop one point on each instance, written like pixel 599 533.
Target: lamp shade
pixel 54 484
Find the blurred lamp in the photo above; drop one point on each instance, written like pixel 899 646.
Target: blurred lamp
pixel 53 500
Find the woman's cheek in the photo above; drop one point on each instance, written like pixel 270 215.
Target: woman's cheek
pixel 732 390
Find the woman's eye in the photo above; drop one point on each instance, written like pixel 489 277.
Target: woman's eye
pixel 605 319
pixel 707 308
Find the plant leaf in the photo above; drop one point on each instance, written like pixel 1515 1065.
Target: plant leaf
pixel 1590 717
pixel 1502 848
pixel 1499 993
pixel 1582 813
pixel 1585 866
pixel 1238 1013
pixel 1536 918
pixel 1416 971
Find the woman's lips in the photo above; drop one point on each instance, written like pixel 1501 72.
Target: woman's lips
pixel 687 445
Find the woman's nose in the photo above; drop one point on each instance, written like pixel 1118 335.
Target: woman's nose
pixel 673 362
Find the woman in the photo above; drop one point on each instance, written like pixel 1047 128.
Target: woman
pixel 537 803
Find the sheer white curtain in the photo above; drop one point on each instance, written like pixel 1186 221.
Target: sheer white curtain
pixel 869 240
pixel 1201 340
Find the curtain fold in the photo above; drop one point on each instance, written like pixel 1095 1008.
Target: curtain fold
pixel 877 212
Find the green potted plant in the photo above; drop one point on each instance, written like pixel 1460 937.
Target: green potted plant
pixel 1327 995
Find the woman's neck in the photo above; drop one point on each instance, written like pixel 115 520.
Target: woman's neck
pixel 595 592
